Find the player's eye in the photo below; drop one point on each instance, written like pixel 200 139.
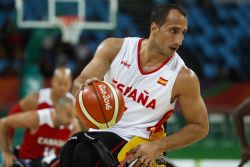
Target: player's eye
pixel 174 31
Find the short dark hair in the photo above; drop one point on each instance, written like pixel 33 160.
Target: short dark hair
pixel 160 12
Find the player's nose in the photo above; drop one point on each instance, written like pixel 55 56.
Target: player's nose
pixel 178 40
pixel 64 89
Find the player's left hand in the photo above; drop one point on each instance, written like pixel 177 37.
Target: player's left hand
pixel 145 153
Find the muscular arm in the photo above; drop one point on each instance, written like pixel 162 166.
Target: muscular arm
pixel 76 127
pixel 193 109
pixel 82 126
pixel 100 64
pixel 238 117
pixel 26 104
pixel 21 120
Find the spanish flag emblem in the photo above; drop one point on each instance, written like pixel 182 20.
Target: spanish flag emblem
pixel 162 81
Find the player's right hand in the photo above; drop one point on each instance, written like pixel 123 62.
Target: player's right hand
pixel 245 156
pixel 8 159
pixel 88 81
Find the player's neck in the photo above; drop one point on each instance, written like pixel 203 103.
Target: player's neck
pixel 54 97
pixel 150 54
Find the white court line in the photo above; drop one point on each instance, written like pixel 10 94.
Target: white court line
pixel 208 163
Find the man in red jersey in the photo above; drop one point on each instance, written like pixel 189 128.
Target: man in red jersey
pixel 47 130
pixel 46 98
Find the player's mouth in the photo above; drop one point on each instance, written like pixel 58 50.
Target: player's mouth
pixel 173 48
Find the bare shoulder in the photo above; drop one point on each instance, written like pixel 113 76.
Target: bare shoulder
pixel 30 102
pixel 116 43
pixel 186 81
pixel 110 47
pixel 186 74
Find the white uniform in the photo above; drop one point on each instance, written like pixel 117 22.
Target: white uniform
pixel 147 95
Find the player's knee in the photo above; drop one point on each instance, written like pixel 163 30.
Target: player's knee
pixel 85 150
pixel 67 154
pixel 69 147
pixel 84 155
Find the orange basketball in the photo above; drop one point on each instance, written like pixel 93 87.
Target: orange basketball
pixel 100 105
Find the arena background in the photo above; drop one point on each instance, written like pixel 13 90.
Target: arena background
pixel 216 47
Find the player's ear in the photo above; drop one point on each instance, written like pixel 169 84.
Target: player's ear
pixel 154 28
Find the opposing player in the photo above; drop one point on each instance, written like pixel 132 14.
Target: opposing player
pixel 46 98
pixel 152 77
pixel 47 130
pixel 238 116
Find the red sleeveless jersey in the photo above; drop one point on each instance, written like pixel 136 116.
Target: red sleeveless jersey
pixel 45 101
pixel 46 139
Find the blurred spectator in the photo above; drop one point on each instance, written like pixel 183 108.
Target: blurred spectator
pixel 238 116
pixel 217 41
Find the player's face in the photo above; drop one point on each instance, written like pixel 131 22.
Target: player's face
pixel 66 114
pixel 61 84
pixel 169 36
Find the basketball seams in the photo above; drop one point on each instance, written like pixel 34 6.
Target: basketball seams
pixel 99 101
pixel 100 97
pixel 85 112
pixel 113 120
